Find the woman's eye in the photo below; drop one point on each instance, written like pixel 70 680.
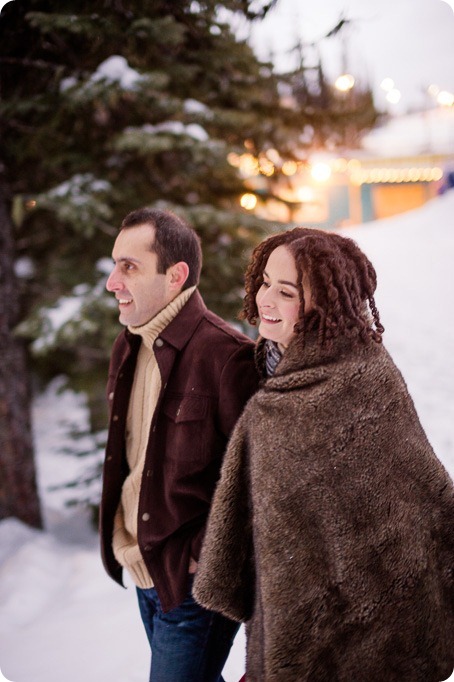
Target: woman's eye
pixel 265 284
pixel 286 294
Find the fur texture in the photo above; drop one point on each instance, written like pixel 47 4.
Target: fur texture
pixel 331 533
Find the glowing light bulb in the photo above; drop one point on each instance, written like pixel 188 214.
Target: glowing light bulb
pixel 321 172
pixel 289 168
pixel 234 159
pixel 273 155
pixel 437 173
pixel 394 96
pixel 387 84
pixel 248 201
pixel 345 82
pixel 249 165
pixel 266 167
pixel 305 194
pixel 445 98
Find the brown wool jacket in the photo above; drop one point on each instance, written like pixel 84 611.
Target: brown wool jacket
pixel 208 373
pixel 332 528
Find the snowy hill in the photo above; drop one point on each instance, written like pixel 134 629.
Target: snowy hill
pixel 63 620
pixel 426 132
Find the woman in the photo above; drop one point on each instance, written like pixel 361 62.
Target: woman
pixel 331 533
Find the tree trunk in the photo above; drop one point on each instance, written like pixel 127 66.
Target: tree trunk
pixel 18 489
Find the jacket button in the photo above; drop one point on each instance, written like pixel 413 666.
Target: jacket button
pixel 111 395
pixel 115 418
pixel 146 516
pixel 159 342
pixel 147 548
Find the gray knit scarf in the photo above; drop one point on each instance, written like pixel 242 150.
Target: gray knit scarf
pixel 272 357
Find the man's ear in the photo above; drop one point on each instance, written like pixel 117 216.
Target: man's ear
pixel 178 274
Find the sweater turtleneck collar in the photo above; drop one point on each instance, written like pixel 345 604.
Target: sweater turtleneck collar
pixel 151 330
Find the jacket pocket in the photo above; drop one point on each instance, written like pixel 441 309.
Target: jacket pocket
pixel 186 427
pixel 185 408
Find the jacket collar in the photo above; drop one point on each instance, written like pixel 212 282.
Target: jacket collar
pixel 181 328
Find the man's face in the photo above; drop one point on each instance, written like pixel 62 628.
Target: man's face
pixel 140 291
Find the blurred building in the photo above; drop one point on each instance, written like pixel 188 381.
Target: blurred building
pixel 399 167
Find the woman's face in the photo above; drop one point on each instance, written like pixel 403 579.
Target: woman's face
pixel 278 300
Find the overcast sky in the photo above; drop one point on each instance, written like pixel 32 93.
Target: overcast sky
pixel 410 41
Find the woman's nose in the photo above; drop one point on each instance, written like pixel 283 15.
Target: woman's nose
pixel 268 298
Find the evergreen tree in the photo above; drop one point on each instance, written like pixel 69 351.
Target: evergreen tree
pixel 107 109
pixel 108 106
pixel 18 491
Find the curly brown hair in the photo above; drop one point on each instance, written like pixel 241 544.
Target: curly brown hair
pixel 341 278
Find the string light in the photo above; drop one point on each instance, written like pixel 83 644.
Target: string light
pixel 234 159
pixel 396 175
pixel 387 84
pixel 445 98
pixel 289 168
pixel 393 96
pixel 321 172
pixel 273 155
pixel 305 194
pixel 266 167
pixel 249 165
pixel 345 82
pixel 248 201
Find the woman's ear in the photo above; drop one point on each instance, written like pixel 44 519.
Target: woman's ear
pixel 177 275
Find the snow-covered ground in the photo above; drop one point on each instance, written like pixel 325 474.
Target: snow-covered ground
pixel 61 618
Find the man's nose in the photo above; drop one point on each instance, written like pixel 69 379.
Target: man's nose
pixel 113 283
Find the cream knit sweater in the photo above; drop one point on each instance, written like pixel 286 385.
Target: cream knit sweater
pixel 144 395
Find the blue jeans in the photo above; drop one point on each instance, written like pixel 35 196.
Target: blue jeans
pixel 188 643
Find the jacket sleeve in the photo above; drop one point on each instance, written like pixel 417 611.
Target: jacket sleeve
pixel 224 580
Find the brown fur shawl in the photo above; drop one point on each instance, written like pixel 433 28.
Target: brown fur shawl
pixel 331 531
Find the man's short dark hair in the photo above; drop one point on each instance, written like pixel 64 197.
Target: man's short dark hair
pixel 174 241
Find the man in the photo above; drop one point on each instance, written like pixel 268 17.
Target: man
pixel 178 380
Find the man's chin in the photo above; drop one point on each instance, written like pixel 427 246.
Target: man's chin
pixel 124 320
